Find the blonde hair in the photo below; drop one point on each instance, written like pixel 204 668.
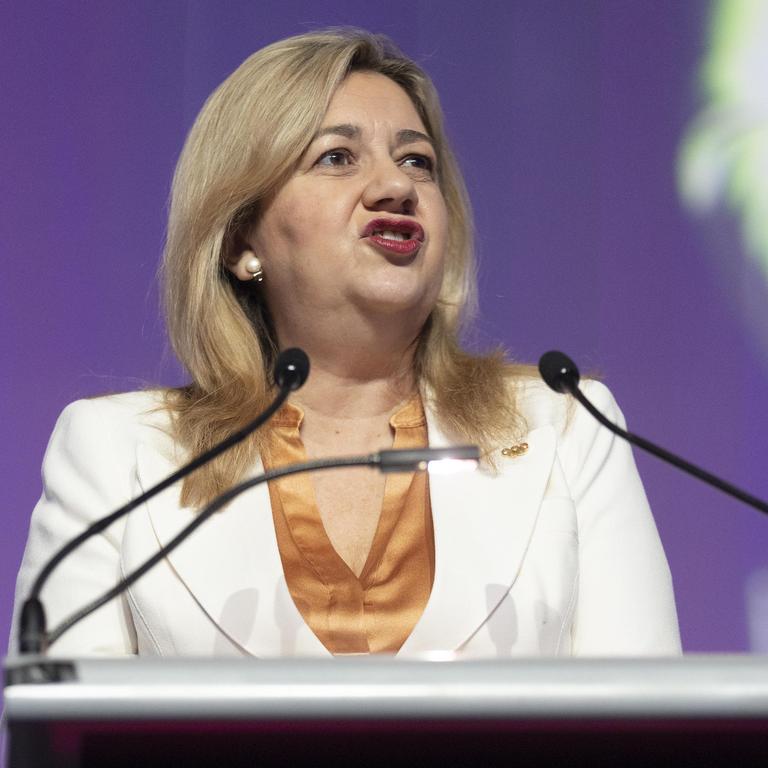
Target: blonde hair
pixel 244 145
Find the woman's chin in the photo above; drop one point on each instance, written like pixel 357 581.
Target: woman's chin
pixel 394 300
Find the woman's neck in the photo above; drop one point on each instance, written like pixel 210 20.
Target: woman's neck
pixel 355 372
pixel 337 392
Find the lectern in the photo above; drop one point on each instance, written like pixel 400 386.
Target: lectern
pixel 383 711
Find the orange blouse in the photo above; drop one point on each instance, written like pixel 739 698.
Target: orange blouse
pixel 375 612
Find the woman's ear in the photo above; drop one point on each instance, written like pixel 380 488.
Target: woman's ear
pixel 246 266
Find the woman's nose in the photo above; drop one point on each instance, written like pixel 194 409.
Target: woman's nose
pixel 390 188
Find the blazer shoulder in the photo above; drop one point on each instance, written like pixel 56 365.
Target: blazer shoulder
pixel 127 410
pixel 111 424
pixel 540 406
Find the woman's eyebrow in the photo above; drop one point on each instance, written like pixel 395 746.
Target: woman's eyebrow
pixel 409 136
pixel 349 131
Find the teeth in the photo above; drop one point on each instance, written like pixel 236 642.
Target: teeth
pixel 388 234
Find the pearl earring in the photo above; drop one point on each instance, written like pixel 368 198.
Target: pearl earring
pixel 253 266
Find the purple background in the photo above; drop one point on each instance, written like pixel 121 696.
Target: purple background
pixel 566 116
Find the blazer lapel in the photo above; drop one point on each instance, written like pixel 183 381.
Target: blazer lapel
pixel 231 565
pixel 482 525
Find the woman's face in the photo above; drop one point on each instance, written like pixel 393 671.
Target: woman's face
pixel 361 226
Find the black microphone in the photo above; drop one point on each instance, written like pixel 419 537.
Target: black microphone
pixel 291 370
pixel 393 460
pixel 561 374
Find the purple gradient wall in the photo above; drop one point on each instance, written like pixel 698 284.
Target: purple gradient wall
pixel 566 117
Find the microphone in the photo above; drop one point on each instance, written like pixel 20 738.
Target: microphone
pixel 561 374
pixel 393 460
pixel 290 371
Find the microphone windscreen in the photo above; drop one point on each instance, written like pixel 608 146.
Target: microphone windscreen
pixel 559 371
pixel 291 368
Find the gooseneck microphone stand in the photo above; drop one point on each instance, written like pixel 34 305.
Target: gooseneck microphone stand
pixel 395 460
pixel 561 374
pixel 290 372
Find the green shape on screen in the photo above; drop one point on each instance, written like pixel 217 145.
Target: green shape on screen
pixel 724 156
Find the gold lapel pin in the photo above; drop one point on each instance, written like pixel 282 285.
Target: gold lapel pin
pixel 515 450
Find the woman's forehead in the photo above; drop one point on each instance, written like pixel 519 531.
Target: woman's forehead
pixel 365 99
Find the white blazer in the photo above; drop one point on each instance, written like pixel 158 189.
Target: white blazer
pixel 557 554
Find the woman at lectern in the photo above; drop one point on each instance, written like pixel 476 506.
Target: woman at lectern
pixel 317 204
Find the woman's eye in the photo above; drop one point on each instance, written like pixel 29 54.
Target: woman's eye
pixel 421 163
pixel 335 157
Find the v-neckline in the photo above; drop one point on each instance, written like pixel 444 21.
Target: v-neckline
pixel 302 512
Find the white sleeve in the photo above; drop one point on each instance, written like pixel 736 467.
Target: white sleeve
pixel 87 473
pixel 625 602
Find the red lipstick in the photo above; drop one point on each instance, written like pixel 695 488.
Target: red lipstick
pixel 400 236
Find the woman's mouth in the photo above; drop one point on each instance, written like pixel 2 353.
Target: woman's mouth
pixel 400 236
